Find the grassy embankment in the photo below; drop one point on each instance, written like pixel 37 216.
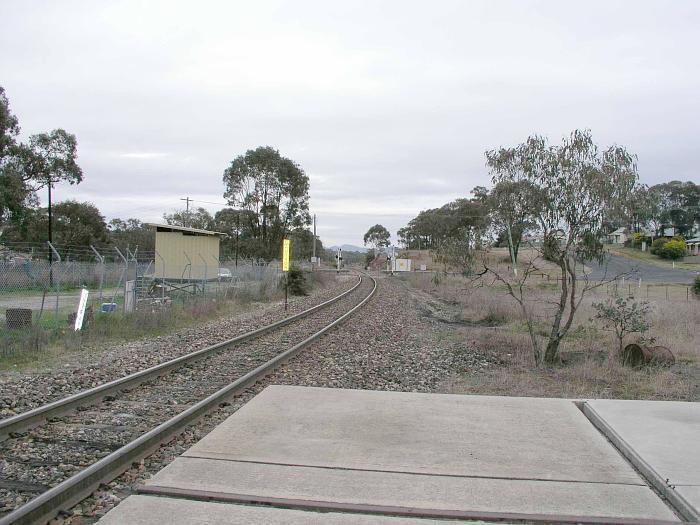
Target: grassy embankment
pixel 494 326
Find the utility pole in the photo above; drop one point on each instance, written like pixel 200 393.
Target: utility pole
pixel 187 209
pixel 50 239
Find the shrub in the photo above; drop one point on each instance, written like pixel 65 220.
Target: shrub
pixel 623 316
pixel 696 286
pixel 674 249
pixel 370 256
pixel 658 245
pixel 296 281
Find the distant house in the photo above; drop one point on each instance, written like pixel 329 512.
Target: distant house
pixel 693 246
pixel 619 236
pixel 669 232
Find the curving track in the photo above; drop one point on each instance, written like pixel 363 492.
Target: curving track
pixel 95 435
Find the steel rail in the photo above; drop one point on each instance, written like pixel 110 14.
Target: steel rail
pixel 69 492
pixel 36 416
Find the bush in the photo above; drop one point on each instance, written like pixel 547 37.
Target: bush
pixel 674 248
pixel 637 239
pixel 696 286
pixel 296 281
pixel 658 246
pixel 623 316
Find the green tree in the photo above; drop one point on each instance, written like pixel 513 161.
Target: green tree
pixel 678 205
pixel 16 197
pixel 198 218
pixel 377 237
pixel 302 244
pixel 511 205
pixel 131 233
pixel 77 225
pixel 574 184
pixel 275 192
pixel 47 159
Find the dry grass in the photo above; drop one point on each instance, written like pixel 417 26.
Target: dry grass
pixel 496 329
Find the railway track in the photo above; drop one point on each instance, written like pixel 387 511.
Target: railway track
pixel 55 455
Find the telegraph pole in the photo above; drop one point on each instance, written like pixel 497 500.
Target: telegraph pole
pixel 50 239
pixel 187 209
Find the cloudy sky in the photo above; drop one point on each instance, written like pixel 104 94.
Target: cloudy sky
pixel 387 105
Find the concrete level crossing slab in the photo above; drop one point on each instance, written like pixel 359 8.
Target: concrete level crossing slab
pixel 661 438
pixel 474 454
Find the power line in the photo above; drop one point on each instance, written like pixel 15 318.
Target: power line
pixel 203 202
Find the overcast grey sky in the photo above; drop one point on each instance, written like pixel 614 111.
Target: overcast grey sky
pixel 388 106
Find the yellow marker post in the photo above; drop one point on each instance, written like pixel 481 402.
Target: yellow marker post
pixel 285 268
pixel 285 255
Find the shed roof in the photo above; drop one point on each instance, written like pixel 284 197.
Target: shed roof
pixel 694 240
pixel 173 228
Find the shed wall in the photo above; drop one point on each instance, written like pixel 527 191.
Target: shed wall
pixel 172 247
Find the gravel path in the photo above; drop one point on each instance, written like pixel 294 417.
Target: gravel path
pixel 20 392
pixel 389 345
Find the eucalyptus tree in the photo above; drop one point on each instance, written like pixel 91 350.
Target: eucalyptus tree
pixel 377 237
pixel 273 191
pixel 572 186
pixel 511 206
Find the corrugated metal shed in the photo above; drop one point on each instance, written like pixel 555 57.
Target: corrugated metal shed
pixel 186 253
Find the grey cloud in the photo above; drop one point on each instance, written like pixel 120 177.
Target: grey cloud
pixel 388 106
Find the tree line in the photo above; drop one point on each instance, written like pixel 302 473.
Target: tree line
pixel 267 196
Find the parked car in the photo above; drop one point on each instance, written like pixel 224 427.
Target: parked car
pixel 225 274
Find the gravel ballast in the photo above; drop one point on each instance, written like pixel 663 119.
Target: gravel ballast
pixel 20 392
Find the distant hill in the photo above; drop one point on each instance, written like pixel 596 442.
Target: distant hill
pixel 349 248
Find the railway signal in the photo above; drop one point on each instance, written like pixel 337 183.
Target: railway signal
pixel 339 259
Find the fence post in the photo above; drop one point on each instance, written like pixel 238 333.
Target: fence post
pixel 51 276
pixel 162 283
pixel 218 269
pixel 189 265
pixel 206 271
pixel 125 273
pixel 667 292
pixel 102 265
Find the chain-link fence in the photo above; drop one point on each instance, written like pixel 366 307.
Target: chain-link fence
pixel 41 285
